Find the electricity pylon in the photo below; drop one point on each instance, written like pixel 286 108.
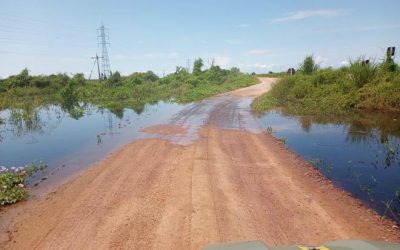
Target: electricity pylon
pixel 105 61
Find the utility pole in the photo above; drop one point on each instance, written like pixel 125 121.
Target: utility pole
pixel 105 62
pixel 96 61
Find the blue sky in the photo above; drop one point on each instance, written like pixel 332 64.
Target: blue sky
pixel 48 36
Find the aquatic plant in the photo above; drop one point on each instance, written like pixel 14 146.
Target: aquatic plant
pixel 281 140
pixel 269 130
pixel 13 182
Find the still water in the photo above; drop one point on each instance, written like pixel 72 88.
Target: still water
pixel 60 139
pixel 360 153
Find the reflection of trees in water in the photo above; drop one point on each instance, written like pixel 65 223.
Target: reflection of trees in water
pixel 19 122
pixel 74 109
pixel 306 123
pixel 380 132
pixel 23 121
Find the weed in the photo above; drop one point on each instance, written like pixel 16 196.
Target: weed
pixel 13 182
pixel 269 130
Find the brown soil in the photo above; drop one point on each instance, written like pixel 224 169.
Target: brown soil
pixel 165 130
pixel 228 185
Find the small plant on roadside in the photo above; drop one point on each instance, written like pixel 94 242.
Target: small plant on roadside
pixel 13 182
pixel 282 140
pixel 269 130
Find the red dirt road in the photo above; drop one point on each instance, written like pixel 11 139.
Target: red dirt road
pixel 227 184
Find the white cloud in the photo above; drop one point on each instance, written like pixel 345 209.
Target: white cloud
pixel 259 67
pixel 304 14
pixel 222 61
pixel 344 63
pixel 321 60
pixel 360 28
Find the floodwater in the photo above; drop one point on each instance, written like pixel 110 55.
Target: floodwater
pixel 360 153
pixel 67 144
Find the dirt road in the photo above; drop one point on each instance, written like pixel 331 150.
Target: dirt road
pixel 208 176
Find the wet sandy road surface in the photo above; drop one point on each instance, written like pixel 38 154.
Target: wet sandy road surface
pixel 208 175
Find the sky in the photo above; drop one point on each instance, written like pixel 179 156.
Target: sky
pixel 48 36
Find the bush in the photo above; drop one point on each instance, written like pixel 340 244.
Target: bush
pixel 114 80
pixel 41 81
pixel 329 91
pixel 79 79
pixel 308 66
pixel 197 66
pixel 362 73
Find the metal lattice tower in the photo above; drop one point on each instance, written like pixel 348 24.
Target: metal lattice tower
pixel 105 61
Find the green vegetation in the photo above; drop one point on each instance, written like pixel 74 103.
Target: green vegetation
pixel 359 86
pixel 13 182
pixel 273 74
pixel 22 94
pixel 118 92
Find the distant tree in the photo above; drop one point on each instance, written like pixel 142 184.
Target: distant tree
pixel 150 76
pixel 197 65
pixel 235 71
pixel 308 66
pixel 41 81
pixel 115 79
pixel 79 79
pixel 59 80
pixel 23 79
pixel 180 70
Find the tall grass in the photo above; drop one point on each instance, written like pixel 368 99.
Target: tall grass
pixel 358 86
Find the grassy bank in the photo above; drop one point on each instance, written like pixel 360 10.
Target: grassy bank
pixel 133 91
pixel 359 86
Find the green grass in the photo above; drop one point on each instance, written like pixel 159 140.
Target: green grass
pixel 133 91
pixel 336 91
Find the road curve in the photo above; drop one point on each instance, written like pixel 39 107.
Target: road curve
pixel 208 175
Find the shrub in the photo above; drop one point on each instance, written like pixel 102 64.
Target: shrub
pixel 362 73
pixel 308 66
pixel 197 66
pixel 79 79
pixel 114 80
pixel 41 81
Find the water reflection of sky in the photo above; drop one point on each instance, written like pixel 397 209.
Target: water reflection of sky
pixel 57 136
pixel 354 159
pixel 354 152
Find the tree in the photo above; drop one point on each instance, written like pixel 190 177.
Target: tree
pixel 79 79
pixel 308 66
pixel 41 81
pixel 23 79
pixel 115 79
pixel 197 65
